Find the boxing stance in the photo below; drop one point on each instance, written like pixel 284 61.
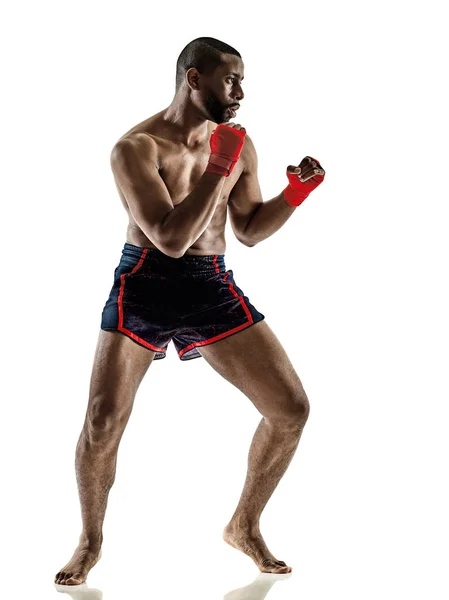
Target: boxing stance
pixel 178 178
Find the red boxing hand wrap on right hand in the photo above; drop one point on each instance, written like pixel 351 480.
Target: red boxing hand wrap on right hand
pixel 226 144
pixel 297 191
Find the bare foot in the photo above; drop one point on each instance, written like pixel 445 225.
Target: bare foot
pixel 76 570
pixel 253 545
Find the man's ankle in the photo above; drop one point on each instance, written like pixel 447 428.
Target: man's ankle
pixel 91 541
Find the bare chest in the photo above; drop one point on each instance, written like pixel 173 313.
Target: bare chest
pixel 181 169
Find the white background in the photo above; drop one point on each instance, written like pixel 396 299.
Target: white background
pixel 354 286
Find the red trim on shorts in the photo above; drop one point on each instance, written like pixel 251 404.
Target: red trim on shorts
pixel 242 301
pixel 226 333
pixel 217 270
pixel 214 339
pixel 120 307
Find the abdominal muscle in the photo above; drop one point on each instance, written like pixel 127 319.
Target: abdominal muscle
pixel 211 241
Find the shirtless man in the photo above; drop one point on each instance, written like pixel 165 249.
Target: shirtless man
pixel 177 177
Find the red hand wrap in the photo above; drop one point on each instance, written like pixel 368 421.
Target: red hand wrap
pixel 226 144
pixel 297 191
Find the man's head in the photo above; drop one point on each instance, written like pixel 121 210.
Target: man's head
pixel 209 72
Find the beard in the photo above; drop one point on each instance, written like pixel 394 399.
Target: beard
pixel 217 111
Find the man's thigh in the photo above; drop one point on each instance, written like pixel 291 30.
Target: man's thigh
pixel 118 368
pixel 255 362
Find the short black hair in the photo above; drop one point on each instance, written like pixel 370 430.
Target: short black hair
pixel 204 54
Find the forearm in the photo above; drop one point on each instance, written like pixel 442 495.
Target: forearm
pixel 188 220
pixel 268 218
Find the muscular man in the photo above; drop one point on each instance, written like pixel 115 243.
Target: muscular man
pixel 177 177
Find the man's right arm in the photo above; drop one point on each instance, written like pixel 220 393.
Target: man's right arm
pixel 172 229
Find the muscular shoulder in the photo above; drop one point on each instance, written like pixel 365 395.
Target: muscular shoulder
pixel 137 143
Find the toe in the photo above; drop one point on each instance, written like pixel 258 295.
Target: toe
pixel 75 579
pixel 274 567
pixel 282 570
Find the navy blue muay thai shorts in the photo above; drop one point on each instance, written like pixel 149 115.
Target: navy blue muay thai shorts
pixel 192 300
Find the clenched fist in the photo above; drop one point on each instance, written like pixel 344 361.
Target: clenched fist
pixel 226 143
pixel 302 180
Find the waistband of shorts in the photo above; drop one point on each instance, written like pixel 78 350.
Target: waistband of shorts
pixel 201 264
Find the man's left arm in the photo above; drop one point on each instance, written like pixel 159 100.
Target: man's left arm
pixel 254 220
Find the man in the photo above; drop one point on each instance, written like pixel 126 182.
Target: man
pixel 177 177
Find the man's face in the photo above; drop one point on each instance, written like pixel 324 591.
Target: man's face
pixel 223 89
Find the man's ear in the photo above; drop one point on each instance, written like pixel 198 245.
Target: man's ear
pixel 193 78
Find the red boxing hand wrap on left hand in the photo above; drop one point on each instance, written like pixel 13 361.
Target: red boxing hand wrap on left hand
pixel 297 191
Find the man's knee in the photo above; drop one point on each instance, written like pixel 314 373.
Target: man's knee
pixel 295 408
pixel 107 415
pixel 300 406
